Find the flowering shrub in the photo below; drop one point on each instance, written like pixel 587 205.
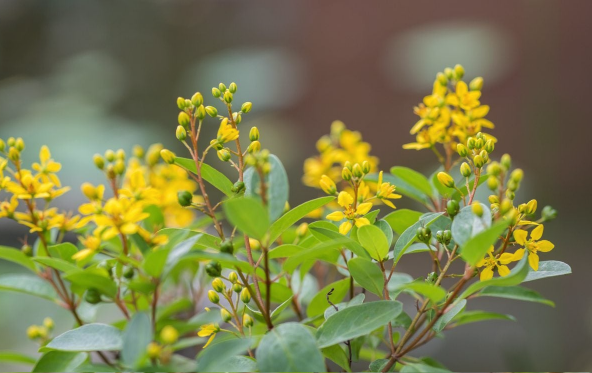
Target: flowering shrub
pixel 240 281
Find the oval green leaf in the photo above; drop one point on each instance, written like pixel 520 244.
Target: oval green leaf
pixel 374 241
pixel 89 337
pixel 248 215
pixel 367 274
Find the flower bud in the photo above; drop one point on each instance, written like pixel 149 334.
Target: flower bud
pixel 169 335
pixel 478 161
pixel 216 92
pixel 510 194
pixel 138 152
pixel 238 187
pixel 459 72
pixel 476 84
pixel 99 161
pixel 19 144
pixel 247 320
pixel 213 297
pixel 120 154
pixel 465 169
pixel 200 113
pixel 2 145
pixel 218 285
pixel 357 170
pixel 512 185
pixel 462 150
pixel 212 111
pixel 254 147
pixel 214 269
pixel 254 244
pixel 181 103
pixel 327 185
pixel 441 78
pixel 477 209
pixel 245 296
pixel 366 167
pixel 452 208
pixel 506 206
pixel 254 134
pixel 14 154
pixel 222 87
pixel 479 143
pixel 181 133
pixel 197 99
pixel 348 165
pixel 184 119
pixel 471 142
pixel 549 213
pixel 237 288
pixel 506 161
pixel 224 155
pixel 445 179
pixel 27 250
pixel 232 87
pixel 531 206
pixel 225 315
pixel 227 97
pixel 492 183
pixel 227 247
pixel 167 156
pixel 489 146
pixel 153 350
pixel 119 167
pixel 493 199
pixel 92 296
pixel 494 169
pixel 346 174
pixel 110 155
pixel 89 191
pixel 232 277
pixel 246 107
pixel 517 175
pixel 424 234
pixel 449 73
pixel 48 323
pixel 111 172
pixel 302 230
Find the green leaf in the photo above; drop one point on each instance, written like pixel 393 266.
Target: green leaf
pixel 277 185
pixel 386 229
pixel 209 174
pixel 374 241
pixel 515 277
pixel 215 357
pixel 476 247
pixel 422 368
pixel 410 183
pixel 333 236
pixel 358 299
pixel 293 216
pixel 226 260
pixel 60 361
pixel 461 185
pixel 173 308
pixel 16 357
pixel 450 313
pixel 367 274
pixel 136 337
pixel 476 316
pixel 356 321
pixel 18 257
pixel 284 251
pixel 514 292
pixel 409 236
pixel 419 247
pixel 59 264
pixel 432 292
pixel 29 285
pixel 155 261
pixel 466 224
pixel 63 251
pixel 327 251
pixel 289 347
pixel 248 215
pixel 97 278
pixel 548 268
pixel 89 337
pixel 337 355
pixel 319 304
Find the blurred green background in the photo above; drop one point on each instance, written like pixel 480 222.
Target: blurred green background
pixel 85 76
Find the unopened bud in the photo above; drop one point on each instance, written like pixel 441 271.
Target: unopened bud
pixel 19 144
pixel 181 133
pixel 549 213
pixel 357 170
pixel 327 185
pixel 493 199
pixel 477 209
pixel 506 161
pixel 489 146
pixel 462 150
pixel 119 167
pixel 232 87
pixel 110 155
pixel 197 99
pixel 167 156
pixel 212 111
pixel 452 208
pixel 531 206
pixel 441 78
pixel 245 296
pixel 246 107
pixel 232 277
pixel 200 113
pixel 445 179
pixel 213 297
pixel 366 167
pixel 465 169
pixel 237 288
pixel 476 84
pixel 517 175
pixel 99 161
pixel 254 147
pixel 247 320
pixel 184 119
pixel 227 97
pixel 492 183
pixel 459 71
pixel 224 155
pixel 506 206
pixel 153 350
pixel 214 269
pixel 471 143
pixel 218 285
pixel 222 87
pixel 225 315
pixel 254 134
pixel 478 161
pixel 169 335
pixel 346 174
pixel 216 92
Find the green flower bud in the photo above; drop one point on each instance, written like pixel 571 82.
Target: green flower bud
pixel 216 92
pixel 92 296
pixel 232 277
pixel 254 134
pixel 459 71
pixel 517 175
pixel 478 161
pixel 138 152
pixel 462 150
pixel 227 247
pixel 214 269
pixel 11 141
pixel 465 169
pixel 489 146
pixel 346 174
pixel 510 194
pixel 212 111
pixel 246 107
pixel 27 250
pixel 357 170
pixel 492 183
pixel 227 97
pixel 218 285
pixel 153 350
pixel 484 155
pixel 477 209
pixel 129 273
pixel 181 133
pixel 237 118
pixel 232 87
pixel 512 185
pixel 213 297
pixel 119 167
pixel 531 206
pixel 181 103
pixel 111 172
pixel 348 165
pixel 476 84
pixel 237 288
pixel 449 73
pixel 222 87
pixel 549 213
pixel 452 208
pixel 19 144
pixel 167 156
pixel 197 99
pixel 494 169
pixel 169 335
pixel 445 179
pixel 99 161
pixel 442 79
pixel 493 199
pixel 110 155
pixel 254 147
pixel 48 323
pixel 247 320
pixel 245 296
pixel 505 206
pixel 185 198
pixel 184 119
pixel 224 155
pixel 424 234
pixel 14 154
pixel 506 162
pixel 238 187
pixel 200 113
pixel 479 143
pixel 225 315
pixel 366 167
pixel 471 142
pixel 2 145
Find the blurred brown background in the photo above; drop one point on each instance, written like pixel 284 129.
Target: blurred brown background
pixel 85 76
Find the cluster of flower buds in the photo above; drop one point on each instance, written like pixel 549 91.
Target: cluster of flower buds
pixel 477 150
pixel 163 351
pixel 444 237
pixel 112 163
pixel 255 145
pixel 41 332
pixel 356 172
pixel 424 234
pixel 15 147
pixel 259 160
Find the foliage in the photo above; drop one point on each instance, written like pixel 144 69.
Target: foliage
pixel 238 277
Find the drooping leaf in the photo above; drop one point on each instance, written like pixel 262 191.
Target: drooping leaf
pixel 248 215
pixel 548 268
pixel 514 292
pixel 356 321
pixel 136 337
pixel 294 215
pixel 209 174
pixel 289 347
pixel 60 361
pixel 374 241
pixel 16 357
pixel 29 285
pixel 410 234
pixel 476 247
pixel 466 224
pixel 89 337
pixel 209 359
pixel 276 185
pixel 18 257
pixel 367 274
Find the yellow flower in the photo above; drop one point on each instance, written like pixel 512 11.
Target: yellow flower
pixel 467 100
pixel 7 209
pixel 353 215
pixel 490 262
pixel 226 132
pixel 91 244
pixel 29 187
pixel 65 222
pixel 208 330
pixel 38 221
pixel 135 187
pixel 532 245
pixel 328 185
pixel 385 192
pixel 47 167
pixel 119 216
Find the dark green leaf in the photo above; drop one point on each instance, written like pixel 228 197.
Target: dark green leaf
pixel 59 264
pixel 514 292
pixel 476 316
pixel 293 216
pixel 449 314
pixel 89 337
pixel 155 261
pixel 367 274
pixel 248 215
pixel 16 357
pixel 97 278
pixel 400 220
pixel 432 292
pixel 285 251
pixel 213 358
pixel 60 361
pixel 319 303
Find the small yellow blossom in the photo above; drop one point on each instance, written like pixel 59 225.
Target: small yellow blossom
pixel 29 187
pixel 532 245
pixel 208 330
pixel 490 262
pixel 226 132
pixel 354 215
pixel 385 192
pixel 47 167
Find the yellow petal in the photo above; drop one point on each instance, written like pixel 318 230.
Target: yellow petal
pixel 519 254
pixel 506 258
pixel 336 216
pixel 380 178
pixel 533 260
pixel 363 208
pixel 209 340
pixel 545 246
pixel 345 227
pixel 520 236
pixel 486 274
pixel 537 233
pixel 503 270
pixel 461 88
pixel 44 154
pixel 388 203
pixel 480 111
pixel 361 222
pixel 345 199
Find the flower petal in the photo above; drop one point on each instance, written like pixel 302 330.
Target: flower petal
pixel 345 199
pixel 486 274
pixel 345 227
pixel 545 246
pixel 537 233
pixel 363 208
pixel 335 216
pixel 533 260
pixel 520 236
